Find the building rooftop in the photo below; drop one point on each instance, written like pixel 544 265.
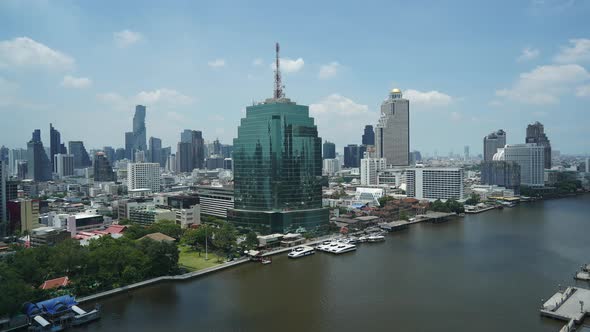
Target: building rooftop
pixel 159 237
pixel 55 283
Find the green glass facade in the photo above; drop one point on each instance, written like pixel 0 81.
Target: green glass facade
pixel 278 170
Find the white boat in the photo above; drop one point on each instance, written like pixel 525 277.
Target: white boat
pixel 363 239
pixel 375 238
pixel 341 248
pixel 301 251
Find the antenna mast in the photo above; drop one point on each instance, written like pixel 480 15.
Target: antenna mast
pixel 278 92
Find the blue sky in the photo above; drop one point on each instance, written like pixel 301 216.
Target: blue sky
pixel 467 67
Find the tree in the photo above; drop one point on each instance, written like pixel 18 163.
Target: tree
pixel 196 237
pixel 225 238
pixel 67 258
pixel 168 227
pixel 403 215
pixel 163 257
pixel 135 231
pixel 473 199
pixel 251 240
pixel 14 290
pixel 383 200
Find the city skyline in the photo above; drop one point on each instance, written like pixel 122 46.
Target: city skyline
pixel 65 71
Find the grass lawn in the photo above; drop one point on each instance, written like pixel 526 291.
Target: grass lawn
pixel 190 259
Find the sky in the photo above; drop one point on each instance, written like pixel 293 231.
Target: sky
pixel 467 67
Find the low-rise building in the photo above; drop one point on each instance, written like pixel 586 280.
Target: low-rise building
pixel 48 236
pixel 187 217
pixel 216 200
pixel 150 216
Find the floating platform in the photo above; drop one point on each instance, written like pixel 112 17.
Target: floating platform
pixel 583 275
pixel 571 304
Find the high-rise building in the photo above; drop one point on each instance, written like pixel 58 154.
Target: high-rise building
pixel 23 215
pixel 39 167
pixel 493 142
pixel 63 164
pixel 392 133
pixel 164 155
pixel 155 150
pixel 198 144
pixel 369 169
pixel 129 145
pixel 186 136
pixel 530 158
pixel 171 164
pixel 103 171
pixel 466 153
pixel 139 156
pixel 3 199
pixel 109 152
pixel 415 157
pixel 14 157
pixel 369 135
pixel 216 148
pixel 353 154
pixel 55 144
pixel 535 133
pixel 143 176
pixel 329 150
pixel 120 154
pixel 501 173
pixel 277 162
pixel 587 165
pixel 184 157
pixel 434 183
pixel 4 154
pixel 331 166
pixel 139 131
pixel 81 157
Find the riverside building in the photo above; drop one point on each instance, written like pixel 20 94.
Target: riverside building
pixel 434 183
pixel 392 133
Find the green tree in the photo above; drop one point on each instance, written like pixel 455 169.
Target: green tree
pixel 251 240
pixel 383 200
pixel 403 215
pixel 168 227
pixel 225 238
pixel 135 231
pixel 67 258
pixel 14 290
pixel 473 199
pixel 163 257
pixel 196 237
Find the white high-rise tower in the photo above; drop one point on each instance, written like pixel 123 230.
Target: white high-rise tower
pixel 392 133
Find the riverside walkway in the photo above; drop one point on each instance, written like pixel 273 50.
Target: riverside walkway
pixel 571 305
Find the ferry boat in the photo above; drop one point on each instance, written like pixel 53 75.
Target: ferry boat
pixel 301 252
pixel 58 314
pixel 375 238
pixel 341 248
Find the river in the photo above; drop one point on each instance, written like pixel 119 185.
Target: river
pixel 485 272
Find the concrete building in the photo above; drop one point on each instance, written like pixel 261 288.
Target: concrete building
pixel 143 176
pixel 368 137
pixel 353 154
pixel 187 217
pixel 392 133
pixel 493 142
pixel 466 156
pixel 48 236
pixel 63 165
pixel 501 173
pixel 38 164
pixel 587 165
pixel 329 150
pixel 331 166
pixel 103 171
pixel 391 177
pixel 434 183
pixel 155 150
pixel 15 156
pixel 81 157
pixel 55 145
pixel 531 159
pixel 370 167
pixel 535 133
pixel 149 216
pixel 215 201
pixel 23 215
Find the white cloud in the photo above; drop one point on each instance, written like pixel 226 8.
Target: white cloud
pixel 76 82
pixel 583 91
pixel 427 98
pixel 579 51
pixel 25 52
pixel 456 116
pixel 163 98
pixel 289 65
pixel 545 84
pixel 328 71
pixel 528 54
pixel 127 38
pixel 337 117
pixel 217 63
pixel 257 62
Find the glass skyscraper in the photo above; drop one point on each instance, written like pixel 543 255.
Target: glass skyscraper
pixel 278 170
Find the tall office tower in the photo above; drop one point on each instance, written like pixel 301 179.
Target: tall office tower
pixel 369 169
pixel 55 144
pixel 369 135
pixel 392 134
pixel 164 155
pixel 198 149
pixel 4 154
pixel 63 165
pixel 435 183
pixel 329 150
pixel 119 154
pixel 14 157
pixel 535 133
pixel 277 164
pixel 39 167
pixel 184 157
pixel 415 157
pixel 129 145
pixel 109 152
pixel 493 142
pixel 587 165
pixel 353 154
pixel 501 173
pixel 3 198
pixel 139 156
pixel 216 147
pixel 143 176
pixel 531 159
pixel 103 171
pixel 331 166
pixel 81 157
pixel 186 136
pixel 226 150
pixel 155 150
pixel 466 153
pixel 139 131
pixel 171 164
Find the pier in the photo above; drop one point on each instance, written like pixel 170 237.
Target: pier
pixel 570 305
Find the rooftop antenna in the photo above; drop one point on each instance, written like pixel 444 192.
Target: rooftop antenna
pixel 278 91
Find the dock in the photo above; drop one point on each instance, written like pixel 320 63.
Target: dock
pixel 573 304
pixel 394 226
pixel 583 275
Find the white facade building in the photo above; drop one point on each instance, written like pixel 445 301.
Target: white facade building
pixel 531 159
pixel 187 217
pixel 392 133
pixel 369 170
pixel 64 164
pixel 143 176
pixel 393 177
pixel 434 183
pixel 331 166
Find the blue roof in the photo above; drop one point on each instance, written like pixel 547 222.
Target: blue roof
pixel 51 307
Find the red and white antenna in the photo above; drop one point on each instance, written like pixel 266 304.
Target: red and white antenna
pixel 278 92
